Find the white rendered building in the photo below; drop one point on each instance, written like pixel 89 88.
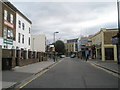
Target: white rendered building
pixel 23 32
pixel 38 42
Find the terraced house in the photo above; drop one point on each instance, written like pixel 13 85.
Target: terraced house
pixel 15 38
pixel 7 26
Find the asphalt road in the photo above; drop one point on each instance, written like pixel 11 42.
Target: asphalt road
pixel 73 73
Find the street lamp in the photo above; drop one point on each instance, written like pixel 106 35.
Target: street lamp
pixel 54 36
pixel 54 45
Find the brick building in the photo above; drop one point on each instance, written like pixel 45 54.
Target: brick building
pixel 7 25
pixel 103 44
pixel 15 38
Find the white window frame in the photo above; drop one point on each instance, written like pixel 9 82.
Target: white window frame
pixel 11 18
pixel 5 33
pixel 5 15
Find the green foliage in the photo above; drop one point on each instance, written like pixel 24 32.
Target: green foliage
pixel 59 47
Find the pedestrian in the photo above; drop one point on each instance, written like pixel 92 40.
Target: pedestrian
pixel 86 54
pixel 54 57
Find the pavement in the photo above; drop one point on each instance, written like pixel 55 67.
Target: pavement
pixel 19 74
pixel 109 65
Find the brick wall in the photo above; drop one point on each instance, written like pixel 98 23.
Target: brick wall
pixel 108 36
pixel 23 62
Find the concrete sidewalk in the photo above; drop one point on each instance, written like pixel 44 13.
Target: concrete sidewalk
pixel 109 65
pixel 18 74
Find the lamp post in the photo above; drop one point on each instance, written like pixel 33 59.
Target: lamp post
pixel 118 45
pixel 54 56
pixel 54 36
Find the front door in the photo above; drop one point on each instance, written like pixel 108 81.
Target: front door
pixel 109 54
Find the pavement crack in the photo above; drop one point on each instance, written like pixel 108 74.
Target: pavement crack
pixel 84 81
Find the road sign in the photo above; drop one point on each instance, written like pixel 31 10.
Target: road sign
pixel 8 41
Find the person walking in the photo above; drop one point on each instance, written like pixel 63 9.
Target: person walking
pixel 54 57
pixel 86 54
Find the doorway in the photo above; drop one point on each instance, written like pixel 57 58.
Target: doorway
pixel 109 54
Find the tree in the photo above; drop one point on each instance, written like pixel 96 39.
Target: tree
pixel 59 47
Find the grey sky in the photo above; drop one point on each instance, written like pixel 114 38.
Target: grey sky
pixel 71 19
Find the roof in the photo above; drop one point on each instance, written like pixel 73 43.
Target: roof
pixel 102 29
pixel 6 2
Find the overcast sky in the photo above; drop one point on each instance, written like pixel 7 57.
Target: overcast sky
pixel 70 19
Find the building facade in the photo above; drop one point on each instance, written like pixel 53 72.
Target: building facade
pixel 71 46
pixel 7 25
pixel 103 44
pixel 75 44
pixel 23 32
pixel 38 43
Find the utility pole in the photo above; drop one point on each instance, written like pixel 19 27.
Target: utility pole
pixel 118 45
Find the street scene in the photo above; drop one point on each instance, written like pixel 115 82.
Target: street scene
pixel 59 44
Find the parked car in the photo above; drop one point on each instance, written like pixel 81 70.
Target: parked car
pixel 73 56
pixel 62 56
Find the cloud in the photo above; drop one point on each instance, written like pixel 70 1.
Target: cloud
pixel 71 19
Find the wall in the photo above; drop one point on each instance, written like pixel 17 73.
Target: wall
pixel 0 19
pixel 108 36
pixel 38 43
pixel 70 47
pixel 9 27
pixel 24 32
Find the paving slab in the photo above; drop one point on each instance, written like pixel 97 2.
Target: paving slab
pixel 17 74
pixel 110 65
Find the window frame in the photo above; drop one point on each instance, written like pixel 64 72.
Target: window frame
pixel 5 15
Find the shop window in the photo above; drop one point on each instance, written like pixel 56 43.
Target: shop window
pixel 5 15
pixel 11 18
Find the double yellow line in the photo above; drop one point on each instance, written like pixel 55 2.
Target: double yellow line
pixel 38 75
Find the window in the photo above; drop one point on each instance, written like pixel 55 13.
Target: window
pixel 23 26
pixel 5 33
pixel 29 40
pixel 5 15
pixel 22 38
pixel 9 33
pixel 11 18
pixel 12 34
pixel 19 23
pixel 19 37
pixel 29 29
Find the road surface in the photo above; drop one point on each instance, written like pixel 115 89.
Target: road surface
pixel 74 73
